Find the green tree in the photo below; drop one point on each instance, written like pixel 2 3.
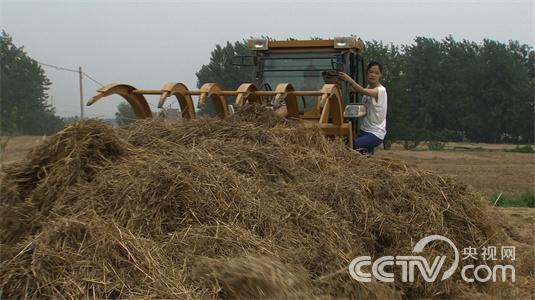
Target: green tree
pixel 506 92
pixel 424 82
pixel 221 70
pixel 23 92
pixel 460 89
pixel 125 114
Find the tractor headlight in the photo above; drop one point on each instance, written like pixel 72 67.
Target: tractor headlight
pixel 258 44
pixel 345 42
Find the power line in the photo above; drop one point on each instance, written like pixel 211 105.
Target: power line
pixel 81 74
pixel 92 79
pixel 58 68
pixel 70 70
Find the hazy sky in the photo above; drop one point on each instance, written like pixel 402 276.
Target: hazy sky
pixel 149 43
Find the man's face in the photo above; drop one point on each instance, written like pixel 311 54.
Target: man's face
pixel 374 74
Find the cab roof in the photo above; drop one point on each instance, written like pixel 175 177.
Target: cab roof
pixel 351 43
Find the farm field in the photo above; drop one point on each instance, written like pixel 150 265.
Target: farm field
pixel 490 172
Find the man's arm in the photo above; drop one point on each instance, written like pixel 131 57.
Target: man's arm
pixel 374 93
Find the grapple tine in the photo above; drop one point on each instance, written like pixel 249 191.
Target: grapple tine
pixel 327 91
pixel 103 92
pixel 323 100
pixel 163 96
pixel 213 91
pixel 246 94
pixel 138 102
pixel 332 106
pixel 202 97
pixel 95 99
pixel 280 97
pixel 289 99
pixel 184 100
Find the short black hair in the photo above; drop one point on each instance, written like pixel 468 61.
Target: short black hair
pixel 374 63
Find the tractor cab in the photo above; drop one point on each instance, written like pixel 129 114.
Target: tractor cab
pixel 309 64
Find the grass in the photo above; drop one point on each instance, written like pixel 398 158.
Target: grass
pixel 437 147
pixel 522 149
pixel 523 200
pixel 443 146
pixel 456 149
pixel 473 149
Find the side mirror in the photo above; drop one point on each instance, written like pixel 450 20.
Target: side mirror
pixel 354 111
pixel 244 60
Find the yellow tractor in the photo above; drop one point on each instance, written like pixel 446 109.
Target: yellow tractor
pixel 295 78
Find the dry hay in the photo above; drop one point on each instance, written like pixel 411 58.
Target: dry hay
pixel 248 207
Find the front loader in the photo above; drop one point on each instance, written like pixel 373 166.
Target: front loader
pixel 295 78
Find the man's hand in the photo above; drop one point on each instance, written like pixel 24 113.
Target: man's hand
pixel 352 83
pixel 343 76
pixel 357 87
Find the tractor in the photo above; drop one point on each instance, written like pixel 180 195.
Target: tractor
pixel 297 79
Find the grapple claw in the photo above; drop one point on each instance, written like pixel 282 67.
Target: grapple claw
pixel 327 113
pixel 246 94
pixel 138 102
pixel 180 91
pixel 214 92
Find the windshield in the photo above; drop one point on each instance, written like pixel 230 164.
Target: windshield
pixel 303 73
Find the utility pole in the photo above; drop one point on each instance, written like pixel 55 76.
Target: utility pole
pixel 80 77
pixel 80 74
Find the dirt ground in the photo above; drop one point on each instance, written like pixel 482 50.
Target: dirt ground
pixel 521 215
pixel 18 146
pixel 491 173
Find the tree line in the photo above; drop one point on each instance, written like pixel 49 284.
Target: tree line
pixel 24 107
pixel 438 90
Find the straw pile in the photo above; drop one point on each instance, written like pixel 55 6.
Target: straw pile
pixel 248 207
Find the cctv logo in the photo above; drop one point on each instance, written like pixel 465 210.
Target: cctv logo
pixel 429 272
pixel 408 264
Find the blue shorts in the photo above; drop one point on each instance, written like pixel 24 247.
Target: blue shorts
pixel 366 140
